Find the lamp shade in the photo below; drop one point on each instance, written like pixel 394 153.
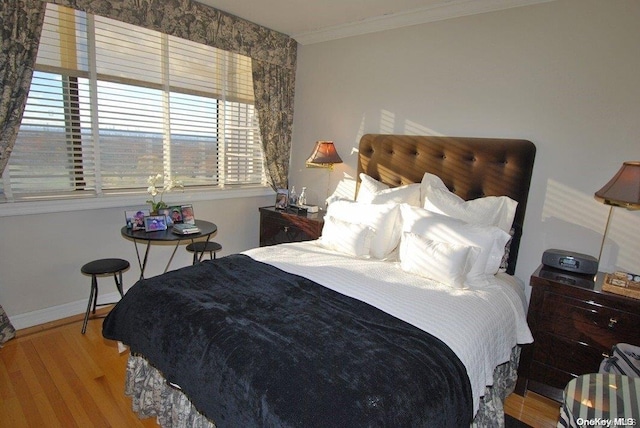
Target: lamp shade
pixel 324 154
pixel 623 190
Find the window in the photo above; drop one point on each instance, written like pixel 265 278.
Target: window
pixel 111 104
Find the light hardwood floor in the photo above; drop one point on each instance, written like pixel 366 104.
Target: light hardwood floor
pixel 53 376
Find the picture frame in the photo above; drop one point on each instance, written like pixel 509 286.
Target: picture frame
pixel 166 213
pixel 282 199
pixel 135 218
pixel 188 216
pixel 174 214
pixel 154 223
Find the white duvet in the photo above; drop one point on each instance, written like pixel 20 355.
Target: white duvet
pixel 480 326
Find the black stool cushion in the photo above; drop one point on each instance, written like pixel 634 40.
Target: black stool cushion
pixel 104 266
pixel 202 247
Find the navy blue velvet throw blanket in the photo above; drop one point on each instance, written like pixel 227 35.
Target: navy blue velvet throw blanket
pixel 254 346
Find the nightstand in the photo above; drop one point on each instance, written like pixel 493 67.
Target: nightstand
pixel 280 226
pixel 574 325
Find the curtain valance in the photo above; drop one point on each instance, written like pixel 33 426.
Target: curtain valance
pixel 199 23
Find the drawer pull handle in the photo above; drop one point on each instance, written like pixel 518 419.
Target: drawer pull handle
pixel 286 229
pixel 612 322
pixel 605 355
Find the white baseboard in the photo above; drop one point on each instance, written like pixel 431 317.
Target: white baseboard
pixel 54 313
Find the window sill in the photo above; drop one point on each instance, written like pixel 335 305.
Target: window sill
pixel 128 201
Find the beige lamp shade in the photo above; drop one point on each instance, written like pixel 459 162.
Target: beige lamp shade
pixel 623 190
pixel 324 155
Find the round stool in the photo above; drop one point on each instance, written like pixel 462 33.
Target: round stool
pixel 203 247
pixel 600 396
pixel 102 267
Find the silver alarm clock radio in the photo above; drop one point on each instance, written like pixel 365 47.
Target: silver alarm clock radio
pixel 570 261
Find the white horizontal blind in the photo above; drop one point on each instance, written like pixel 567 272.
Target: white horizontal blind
pixel 53 153
pixel 243 162
pixel 111 104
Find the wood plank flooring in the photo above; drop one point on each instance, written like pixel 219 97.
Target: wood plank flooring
pixel 534 410
pixel 53 376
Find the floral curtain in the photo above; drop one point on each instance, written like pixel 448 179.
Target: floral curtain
pixel 21 25
pixel 273 55
pixel 274 104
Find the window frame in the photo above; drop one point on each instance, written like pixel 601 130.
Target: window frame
pixel 98 198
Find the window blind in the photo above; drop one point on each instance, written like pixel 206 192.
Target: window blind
pixel 111 104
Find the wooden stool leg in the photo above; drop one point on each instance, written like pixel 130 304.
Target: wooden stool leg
pixel 91 299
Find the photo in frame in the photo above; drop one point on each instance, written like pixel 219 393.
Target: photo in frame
pixel 135 218
pixel 174 215
pixel 165 212
pixel 154 223
pixel 188 217
pixel 282 199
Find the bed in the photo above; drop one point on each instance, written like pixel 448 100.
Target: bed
pixel 381 322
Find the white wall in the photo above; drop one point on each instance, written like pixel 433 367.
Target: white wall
pixel 41 254
pixel 564 74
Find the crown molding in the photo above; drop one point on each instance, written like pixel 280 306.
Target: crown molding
pixel 439 12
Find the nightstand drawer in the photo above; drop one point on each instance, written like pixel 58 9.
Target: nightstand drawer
pixel 277 232
pixel 575 357
pixel 589 321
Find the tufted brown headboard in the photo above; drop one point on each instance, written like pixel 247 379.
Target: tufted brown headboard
pixel 470 167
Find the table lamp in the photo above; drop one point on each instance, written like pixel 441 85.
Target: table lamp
pixel 623 190
pixel 324 155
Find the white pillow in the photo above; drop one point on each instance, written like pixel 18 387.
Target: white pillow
pixel 381 218
pixel 441 261
pixel 437 227
pixel 344 237
pixel 496 211
pixel 346 189
pixel 370 185
pixel 375 192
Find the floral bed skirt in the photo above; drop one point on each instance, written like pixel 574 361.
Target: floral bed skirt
pixel 6 329
pixel 153 396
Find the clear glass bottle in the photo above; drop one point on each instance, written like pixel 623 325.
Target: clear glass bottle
pixel 293 196
pixel 302 199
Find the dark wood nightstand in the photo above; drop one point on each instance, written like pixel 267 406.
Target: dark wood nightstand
pixel 574 325
pixel 280 226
